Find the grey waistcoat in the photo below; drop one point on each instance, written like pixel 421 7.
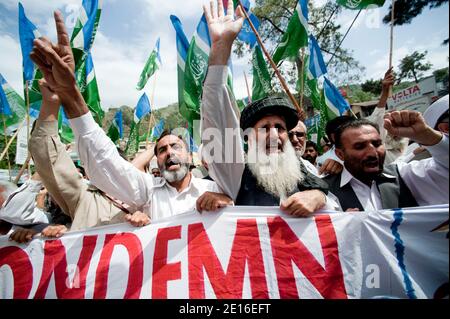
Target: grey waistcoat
pixel 394 192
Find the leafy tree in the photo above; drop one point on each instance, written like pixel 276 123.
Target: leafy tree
pixel 275 15
pixel 442 77
pixel 412 66
pixel 372 86
pixel 407 10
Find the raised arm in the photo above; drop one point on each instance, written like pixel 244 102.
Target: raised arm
pixel 105 167
pixel 219 109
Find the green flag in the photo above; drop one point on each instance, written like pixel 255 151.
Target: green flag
pixel 17 106
pixel 65 132
pixel 296 35
pixel 114 132
pixel 81 42
pixel 153 64
pixel 262 86
pixel 133 140
pixel 361 4
pixel 195 69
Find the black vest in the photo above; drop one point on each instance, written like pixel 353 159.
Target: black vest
pixel 394 192
pixel 251 194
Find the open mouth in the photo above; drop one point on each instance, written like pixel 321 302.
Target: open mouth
pixel 173 164
pixel 372 163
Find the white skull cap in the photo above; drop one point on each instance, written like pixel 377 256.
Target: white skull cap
pixel 435 111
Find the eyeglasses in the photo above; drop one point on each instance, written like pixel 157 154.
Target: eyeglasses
pixel 299 135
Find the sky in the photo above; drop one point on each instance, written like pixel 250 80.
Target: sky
pixel 129 29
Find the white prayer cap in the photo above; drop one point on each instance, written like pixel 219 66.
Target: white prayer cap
pixel 435 111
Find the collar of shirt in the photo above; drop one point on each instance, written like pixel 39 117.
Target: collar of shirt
pixel 193 186
pixel 347 177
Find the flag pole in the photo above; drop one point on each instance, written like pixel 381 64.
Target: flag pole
pixel 24 166
pixel 248 87
pixel 6 143
pixel 28 122
pixel 274 66
pixel 345 36
pixel 302 79
pixel 391 49
pixel 10 141
pixel 151 112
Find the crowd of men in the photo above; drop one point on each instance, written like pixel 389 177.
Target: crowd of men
pixel 390 160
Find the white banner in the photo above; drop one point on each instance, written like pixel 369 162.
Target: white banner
pixel 242 252
pixel 22 144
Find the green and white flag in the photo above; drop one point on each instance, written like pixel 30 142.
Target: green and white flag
pixel 262 86
pixel 361 4
pixel 17 106
pixel 296 35
pixel 153 64
pixel 196 68
pixel 81 42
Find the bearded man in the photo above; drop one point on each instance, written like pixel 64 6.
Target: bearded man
pixel 177 192
pixel 270 174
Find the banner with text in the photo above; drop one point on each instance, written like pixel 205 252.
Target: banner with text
pixel 242 252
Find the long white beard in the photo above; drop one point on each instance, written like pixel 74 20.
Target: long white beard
pixel 276 173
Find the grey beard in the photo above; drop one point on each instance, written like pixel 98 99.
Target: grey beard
pixel 176 176
pixel 279 173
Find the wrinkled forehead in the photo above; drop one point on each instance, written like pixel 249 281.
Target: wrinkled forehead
pixel 300 128
pixel 270 120
pixel 169 140
pixel 362 133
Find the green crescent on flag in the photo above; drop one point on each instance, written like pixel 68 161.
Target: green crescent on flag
pixel 361 4
pixel 296 35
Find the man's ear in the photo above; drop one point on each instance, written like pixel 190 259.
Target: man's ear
pixel 340 153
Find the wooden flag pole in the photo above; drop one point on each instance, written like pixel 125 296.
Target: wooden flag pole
pixel 151 113
pixel 6 143
pixel 27 93
pixel 24 166
pixel 391 50
pixel 302 79
pixel 248 88
pixel 10 141
pixel 274 66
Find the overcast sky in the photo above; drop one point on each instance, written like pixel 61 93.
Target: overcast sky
pixel 129 29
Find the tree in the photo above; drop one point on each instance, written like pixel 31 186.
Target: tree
pixel 442 77
pixel 275 15
pixel 412 66
pixel 372 86
pixel 407 10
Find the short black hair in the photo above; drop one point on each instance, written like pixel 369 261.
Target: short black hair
pixel 165 133
pixel 311 144
pixel 334 124
pixel 350 125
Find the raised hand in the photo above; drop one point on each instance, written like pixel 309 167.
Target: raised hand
pixel 389 79
pixel 411 124
pixel 223 30
pixel 56 61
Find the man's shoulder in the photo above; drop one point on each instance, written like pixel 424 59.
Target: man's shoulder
pixel 205 184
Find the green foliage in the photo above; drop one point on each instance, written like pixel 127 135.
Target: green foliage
pixel 275 15
pixel 407 10
pixel 442 77
pixel 412 66
pixel 372 86
pixel 11 153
